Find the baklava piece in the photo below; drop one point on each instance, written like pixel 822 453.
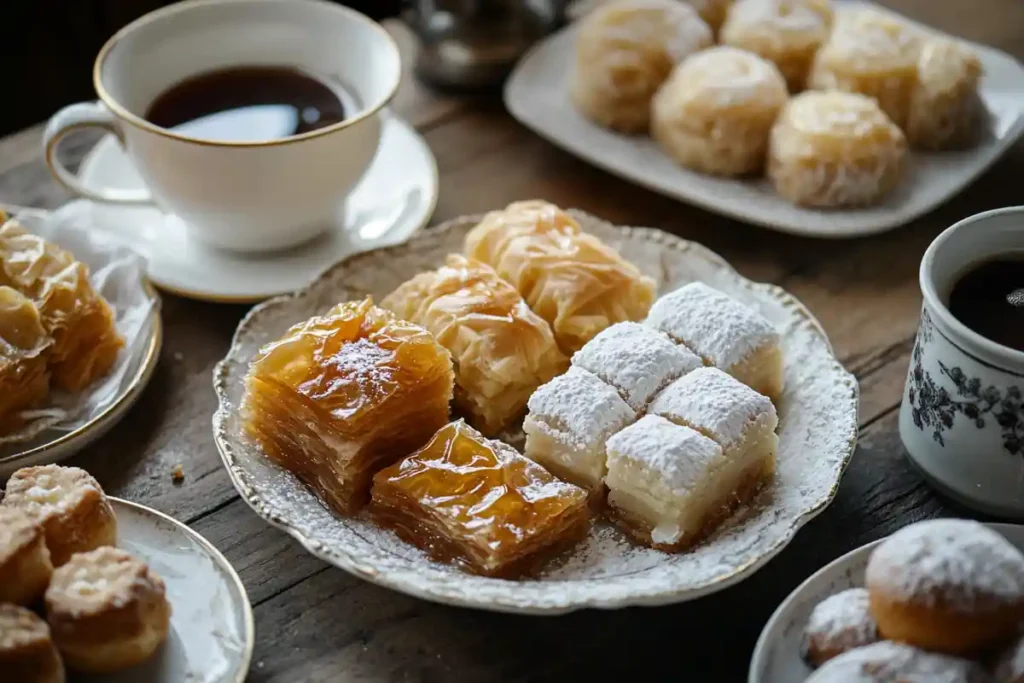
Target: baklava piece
pixel 27 653
pixel 25 567
pixel 478 503
pixel 787 33
pixel 945 106
pixel 669 486
pixel 571 279
pixel 69 505
pixel 715 111
pixel 570 419
pixel 624 51
pixel 835 149
pixel 342 395
pixel 502 351
pixel 80 321
pixel 637 360
pixel 24 379
pixel 734 416
pixel 724 332
pixel 107 611
pixel 873 53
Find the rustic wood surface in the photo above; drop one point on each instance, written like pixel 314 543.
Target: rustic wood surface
pixel 316 623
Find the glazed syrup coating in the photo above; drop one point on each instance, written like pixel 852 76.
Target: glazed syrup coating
pixel 343 394
pixel 24 379
pixel 80 321
pixel 478 502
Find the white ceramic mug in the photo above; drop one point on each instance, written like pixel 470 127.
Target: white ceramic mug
pixel 246 196
pixel 962 417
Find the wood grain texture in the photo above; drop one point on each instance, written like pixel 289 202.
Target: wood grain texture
pixel 316 623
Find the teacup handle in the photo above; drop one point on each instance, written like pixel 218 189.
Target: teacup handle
pixel 76 117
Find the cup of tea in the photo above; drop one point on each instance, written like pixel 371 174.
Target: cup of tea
pixel 251 120
pixel 962 416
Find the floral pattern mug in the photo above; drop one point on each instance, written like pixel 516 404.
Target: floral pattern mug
pixel 962 417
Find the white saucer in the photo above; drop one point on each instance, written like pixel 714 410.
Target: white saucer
pixel 212 633
pixel 776 656
pixel 393 201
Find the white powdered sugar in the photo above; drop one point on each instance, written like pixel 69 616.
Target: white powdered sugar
pixel 715 404
pixel 960 563
pixel 888 662
pixel 715 326
pixel 580 408
pixel 681 457
pixel 637 360
pixel 841 622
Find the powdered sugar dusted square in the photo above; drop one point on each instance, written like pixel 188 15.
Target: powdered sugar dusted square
pixel 579 409
pixel 679 456
pixel 714 404
pixel 635 359
pixel 712 324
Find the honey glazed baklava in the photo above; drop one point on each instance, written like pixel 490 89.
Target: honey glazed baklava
pixel 479 503
pixel 571 279
pixel 502 351
pixel 341 395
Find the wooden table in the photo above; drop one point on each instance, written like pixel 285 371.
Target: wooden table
pixel 316 623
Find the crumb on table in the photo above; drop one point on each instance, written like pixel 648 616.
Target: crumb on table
pixel 177 474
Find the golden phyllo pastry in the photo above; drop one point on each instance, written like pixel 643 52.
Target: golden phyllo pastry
pixel 571 279
pixel 24 380
pixel 341 395
pixel 944 105
pixel 27 652
pixel 80 321
pixel 501 349
pixel 478 503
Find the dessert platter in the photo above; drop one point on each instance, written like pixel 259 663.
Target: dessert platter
pixel 96 585
pixel 536 411
pixel 81 335
pixel 828 119
pixel 939 600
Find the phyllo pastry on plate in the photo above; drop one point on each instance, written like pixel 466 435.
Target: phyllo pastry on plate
pixel 571 279
pixel 80 321
pixel 24 380
pixel 502 350
pixel 342 395
pixel 477 502
pixel 724 332
pixel 570 419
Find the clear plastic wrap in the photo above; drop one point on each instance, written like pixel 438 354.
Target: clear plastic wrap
pixel 571 279
pixel 343 394
pixel 478 503
pixel 502 351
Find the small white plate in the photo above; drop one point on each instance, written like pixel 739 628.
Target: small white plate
pixel 537 95
pixel 817 435
pixel 777 653
pixel 212 633
pixel 393 201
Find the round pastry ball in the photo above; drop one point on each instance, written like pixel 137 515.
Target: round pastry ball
pixel 944 104
pixel 27 654
pixel 838 624
pixel 624 51
pixel 952 586
pixel 107 611
pixel 715 111
pixel 25 567
pixel 887 662
pixel 785 32
pixel 832 149
pixel 872 53
pixel 70 506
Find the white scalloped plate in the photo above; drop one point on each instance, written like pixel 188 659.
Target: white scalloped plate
pixel 776 657
pixel 817 432
pixel 536 94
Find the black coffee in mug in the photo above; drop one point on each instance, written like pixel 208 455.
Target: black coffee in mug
pixel 247 103
pixel 989 299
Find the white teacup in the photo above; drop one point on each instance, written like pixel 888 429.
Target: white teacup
pixel 962 417
pixel 246 196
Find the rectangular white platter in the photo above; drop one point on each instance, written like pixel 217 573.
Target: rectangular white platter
pixel 537 95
